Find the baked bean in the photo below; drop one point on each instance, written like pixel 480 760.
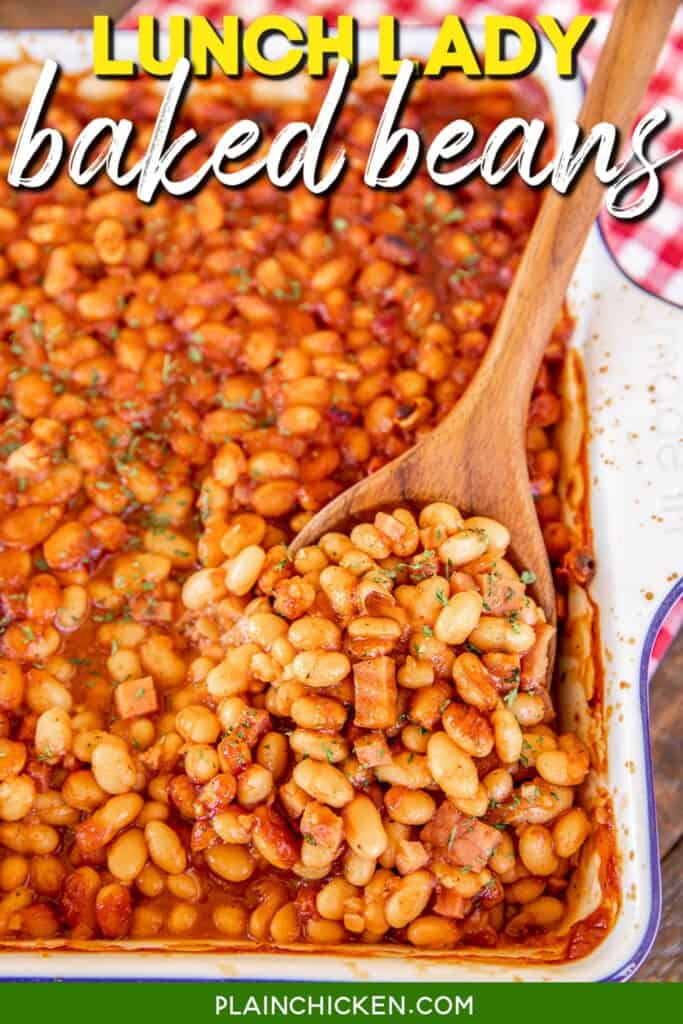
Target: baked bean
pixel 151 881
pixel 451 767
pixel 230 920
pixel 16 797
pixel 127 855
pixel 284 928
pixel 409 806
pixel 187 886
pixel 536 850
pixel 493 634
pixel 508 735
pixel 502 860
pixel 433 932
pixel 182 918
pixel 365 832
pixel 332 897
pixel 528 709
pixel 198 724
pixel 566 766
pixel 113 767
pixel 254 785
pixel 358 870
pixel 242 571
pixel 525 890
pixel 540 913
pixel 496 535
pixel 408 898
pixel 31 839
pixel 230 862
pixel 498 785
pixel 323 782
pixel 113 910
pixel 314 634
pixel 272 894
pixel 318 713
pixel 570 831
pixel 12 758
pixel 54 735
pixel 469 729
pixel 165 848
pixel 463 547
pixel 406 769
pixel 319 668
pixel 473 683
pixel 318 746
pixel 107 821
pixel 459 617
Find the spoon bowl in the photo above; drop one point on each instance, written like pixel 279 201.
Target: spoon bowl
pixel 475 458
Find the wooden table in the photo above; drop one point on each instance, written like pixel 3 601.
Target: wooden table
pixel 665 963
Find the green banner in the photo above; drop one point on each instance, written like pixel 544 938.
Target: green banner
pixel 251 1002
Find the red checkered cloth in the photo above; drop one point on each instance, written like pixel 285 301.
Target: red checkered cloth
pixel 649 251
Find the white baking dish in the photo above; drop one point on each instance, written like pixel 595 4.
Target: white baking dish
pixel 632 360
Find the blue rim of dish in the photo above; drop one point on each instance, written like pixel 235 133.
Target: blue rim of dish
pixel 628 969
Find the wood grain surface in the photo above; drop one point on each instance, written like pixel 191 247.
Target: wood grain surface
pixel 665 963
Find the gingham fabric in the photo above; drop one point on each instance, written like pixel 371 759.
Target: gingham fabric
pixel 649 251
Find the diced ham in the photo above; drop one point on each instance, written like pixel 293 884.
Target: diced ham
pixel 504 668
pixel 450 904
pixel 234 754
pixel 253 724
pixel 144 608
pixel 478 930
pixel 321 833
pixel 376 694
pixel 460 839
pixel 274 839
pixel 216 795
pixel 411 856
pixel 135 697
pixel 501 595
pixel 390 527
pixel 534 666
pixel 372 749
pixel 77 903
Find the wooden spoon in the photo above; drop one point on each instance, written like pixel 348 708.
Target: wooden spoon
pixel 475 457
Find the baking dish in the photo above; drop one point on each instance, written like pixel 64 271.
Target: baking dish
pixel 610 395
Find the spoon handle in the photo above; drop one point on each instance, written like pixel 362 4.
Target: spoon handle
pixel 508 370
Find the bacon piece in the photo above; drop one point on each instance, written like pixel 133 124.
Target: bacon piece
pixel 450 904
pixel 114 910
pixel 215 795
pixel 580 565
pixel 77 903
pixel 253 724
pixel 410 856
pixel 234 754
pixel 136 697
pixel 534 665
pixel 392 528
pixel 372 749
pixel 501 595
pixel 460 839
pixel 504 668
pixel 321 832
pixel 146 608
pixel 376 693
pixel 273 838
